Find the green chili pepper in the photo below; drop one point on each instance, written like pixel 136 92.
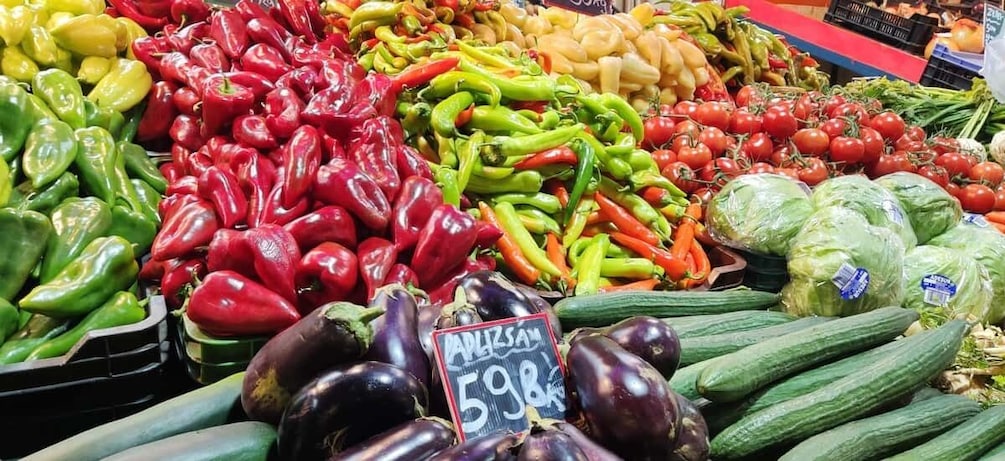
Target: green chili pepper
pixel 416 118
pixel 76 223
pixel 495 152
pixel 10 318
pixel 528 182
pixel 446 178
pixel 62 93
pixel 550 119
pixel 452 82
pixel 544 202
pixel 584 173
pixel 530 89
pixel 49 150
pixel 636 205
pixel 121 309
pixel 444 115
pixel 615 167
pixel 588 267
pixel 484 57
pixel 510 221
pixel 501 119
pixel 491 172
pixel 446 149
pixel 536 222
pixel 24 234
pixel 574 228
pixel 613 251
pixel 139 165
pixel 632 268
pixel 43 201
pixel 149 198
pixel 641 160
pixel 37 330
pixel 467 154
pixel 96 162
pixel 647 178
pixel 366 61
pixel 625 111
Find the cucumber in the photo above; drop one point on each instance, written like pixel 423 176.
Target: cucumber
pixel 996 454
pixel 206 407
pixel 965 442
pixel 888 433
pixel 247 441
pixel 756 366
pixel 705 325
pixel 694 350
pixel 846 399
pixel 684 381
pixel 607 308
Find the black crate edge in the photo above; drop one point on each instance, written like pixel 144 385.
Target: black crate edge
pixel 909 34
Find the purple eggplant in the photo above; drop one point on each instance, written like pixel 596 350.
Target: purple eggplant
pixel 692 441
pixel 542 305
pixel 592 450
pixel 649 338
pixel 458 313
pixel 627 404
pixel 414 440
pixel 425 324
pixel 333 334
pixel 550 445
pixel 396 334
pixel 495 298
pixel 346 406
pixel 497 446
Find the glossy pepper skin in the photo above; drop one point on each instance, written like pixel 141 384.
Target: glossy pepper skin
pixel 189 227
pixel 228 304
pixel 326 274
pixel 222 101
pixel 125 86
pixel 326 224
pixel 419 197
pixel 266 60
pixel 302 160
pixel 48 151
pixel 24 236
pixel 376 256
pixel 25 197
pixel 210 56
pixel 342 183
pixel 230 33
pixel 106 265
pixel 178 278
pixel 15 120
pixel 134 226
pixel 160 112
pixel 221 187
pixel 410 163
pixel 444 243
pixel 140 166
pixel 252 131
pixel 282 112
pixel 275 255
pixel 62 93
pixel 121 309
pixel 375 150
pixel 95 162
pixel 76 223
pixel 275 213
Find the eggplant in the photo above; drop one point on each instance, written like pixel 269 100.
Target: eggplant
pixel 425 324
pixel 333 334
pixel 457 313
pixel 592 450
pixel 692 441
pixel 348 405
pixel 542 305
pixel 495 298
pixel 414 440
pixel 396 334
pixel 497 446
pixel 550 445
pixel 627 404
pixel 649 338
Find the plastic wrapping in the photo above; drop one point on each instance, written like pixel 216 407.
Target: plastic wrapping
pixel 841 265
pixel 942 277
pixel 878 205
pixel 929 207
pixel 987 246
pixel 759 213
pixel 994 68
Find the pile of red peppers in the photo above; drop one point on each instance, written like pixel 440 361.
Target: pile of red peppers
pixel 290 183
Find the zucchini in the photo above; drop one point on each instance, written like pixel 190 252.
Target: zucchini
pixel 965 442
pixel 205 407
pixel 846 399
pixel 996 454
pixel 888 433
pixel 705 325
pixel 606 308
pixel 754 367
pixel 684 381
pixel 694 350
pixel 247 441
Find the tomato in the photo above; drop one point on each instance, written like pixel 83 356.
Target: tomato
pixel 834 127
pixel 874 145
pixel 909 144
pixel 695 156
pixel 681 141
pixel 748 95
pixel 658 132
pixel 890 163
pixel 758 147
pixel 832 103
pixel 936 174
pixel 688 127
pixel 719 171
pixel 954 189
pixel 761 167
pixel 942 145
pixel 685 108
pixel 702 196
pixel 715 139
pixel 989 173
pixel 664 157
pixel 955 163
pixel 814 172
pixel 977 198
pixel 916 133
pixel 681 175
pixel 790 172
pixel 804 107
pixel 852 110
pixel 846 150
pixel 811 141
pixel 743 122
pixel 666 110
pixel 780 123
pixel 888 124
pixel 1000 199
pixel 781 157
pixel 713 114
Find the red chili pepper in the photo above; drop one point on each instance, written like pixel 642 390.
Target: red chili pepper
pixel 129 9
pixel 187 11
pixel 228 304
pixel 265 60
pixel 375 151
pixel 410 163
pixel 775 62
pixel 485 6
pixel 326 224
pixel 624 220
pixel 222 101
pixel 148 50
pixel 465 20
pixel 159 114
pixel 326 274
pixel 561 155
pixel 675 268
pixel 185 131
pixel 209 56
pixel 275 213
pixel 303 158
pixel 417 75
pixel 301 80
pixel 175 281
pixel 230 33
pixel 402 274
pixel 444 243
pixel 657 197
pixel 276 255
pixel 229 251
pixel 376 256
pixel 295 14
pixel 536 106
pixel 419 197
pixel 189 227
pixel 222 188
pixel 464 116
pixel 342 183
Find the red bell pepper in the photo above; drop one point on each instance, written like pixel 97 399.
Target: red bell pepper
pixel 303 158
pixel 176 66
pixel 222 188
pixel 342 183
pixel 326 224
pixel 227 28
pixel 149 50
pixel 332 148
pixel 257 83
pixel 419 197
pixel 222 101
pixel 276 254
pixel 325 274
pixel 186 185
pixel 257 175
pixel 329 100
pixel 410 163
pixel 295 14
pixel 228 304
pixel 154 270
pixel 229 251
pixel 186 101
pixel 186 37
pixel 402 274
pixel 420 74
pixel 210 56
pixel 443 293
pixel 444 243
pixel 486 235
pixel 129 9
pixel 188 11
pixel 171 171
pixel 282 112
pixel 171 204
pixel 300 80
pixel 189 227
pixel 375 89
pixel 337 74
pixel 175 281
pixel 199 161
pixel 275 213
pixel 251 131
pixel 154 8
pixel 340 125
pixel 159 114
pixel 376 256
pixel 265 60
pixel 375 149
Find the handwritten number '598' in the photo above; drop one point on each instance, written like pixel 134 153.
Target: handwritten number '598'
pixel 533 393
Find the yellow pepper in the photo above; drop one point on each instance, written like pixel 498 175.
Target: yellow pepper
pixel 93 69
pixel 11 3
pixel 133 32
pixel 39 45
pixel 87 35
pixel 76 7
pixel 14 23
pixel 16 65
pixel 125 85
pixel 57 18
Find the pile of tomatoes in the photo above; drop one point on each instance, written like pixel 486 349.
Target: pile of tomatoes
pixel 809 137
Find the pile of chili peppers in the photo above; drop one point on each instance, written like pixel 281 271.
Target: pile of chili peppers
pixel 290 182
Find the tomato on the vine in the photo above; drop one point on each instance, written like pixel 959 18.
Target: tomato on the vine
pixel 989 173
pixel 758 147
pixel 747 96
pixel 936 174
pixel 681 141
pixel 955 163
pixel 744 122
pixel 688 127
pixel 852 110
pixel 790 172
pixel 781 157
pixel 977 198
pixel 890 163
pixel 834 127
pixel 664 157
pixel 761 167
pixel 813 172
pixel 715 139
pixel 779 123
pixel 1000 199
pixel 804 108
pixel 685 108
pixel 846 150
pixel 719 171
pixel 874 145
pixel 916 133
pixel 713 114
pixel 811 141
pixel 658 132
pixel 833 102
pixel 888 124
pixel 681 175
pixel 695 156
pixel 909 144
pixel 942 145
pixel 954 189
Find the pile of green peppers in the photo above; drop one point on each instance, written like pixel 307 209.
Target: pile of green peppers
pixel 78 206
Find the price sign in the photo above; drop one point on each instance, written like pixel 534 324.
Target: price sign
pixel 994 19
pixel 588 7
pixel 493 371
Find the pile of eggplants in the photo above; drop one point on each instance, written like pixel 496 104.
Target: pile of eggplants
pixel 360 383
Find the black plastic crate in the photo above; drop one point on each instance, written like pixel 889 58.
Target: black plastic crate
pixel 765 272
pixel 909 34
pixel 947 70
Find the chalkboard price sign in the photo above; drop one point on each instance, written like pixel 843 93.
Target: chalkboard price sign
pixel 994 19
pixel 493 371
pixel 588 7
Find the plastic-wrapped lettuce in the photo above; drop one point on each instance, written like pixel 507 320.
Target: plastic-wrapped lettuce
pixel 987 246
pixel 878 205
pixel 841 265
pixel 942 277
pixel 759 213
pixel 928 206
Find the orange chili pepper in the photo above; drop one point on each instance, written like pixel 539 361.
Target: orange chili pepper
pixel 464 116
pixel 556 253
pixel 675 268
pixel 641 285
pixel 515 259
pixel 625 221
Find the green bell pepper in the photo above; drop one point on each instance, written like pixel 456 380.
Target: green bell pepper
pixel 44 201
pixel 125 192
pixel 77 222
pixel 10 317
pixel 24 236
pixel 122 309
pixel 105 118
pixel 105 266
pixel 15 120
pixel 149 198
pixel 62 92
pixel 95 162
pixel 38 330
pixel 6 189
pixel 133 226
pixel 48 152
pixel 140 166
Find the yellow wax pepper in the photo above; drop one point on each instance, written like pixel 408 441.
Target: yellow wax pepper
pixel 76 7
pixel 125 85
pixel 16 65
pixel 57 18
pixel 134 32
pixel 86 35
pixel 14 23
pixel 39 45
pixel 93 69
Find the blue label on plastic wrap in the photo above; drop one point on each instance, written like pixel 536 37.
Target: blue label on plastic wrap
pixel 938 289
pixel 975 219
pixel 851 281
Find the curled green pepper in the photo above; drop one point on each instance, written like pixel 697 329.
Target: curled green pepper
pixel 495 152
pixel 501 119
pixel 444 115
pixel 545 202
pixel 530 89
pixel 624 110
pixel 589 265
pixel 536 222
pixel 451 82
pixel 528 181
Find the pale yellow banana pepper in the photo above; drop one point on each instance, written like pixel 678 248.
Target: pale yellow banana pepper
pixel 93 69
pixel 76 7
pixel 125 85
pixel 87 35
pixel 40 46
pixel 15 64
pixel 15 23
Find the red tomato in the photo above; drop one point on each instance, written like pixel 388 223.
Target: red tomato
pixel 780 123
pixel 790 172
pixel 781 157
pixel 761 167
pixel 852 110
pixel 909 144
pixel 682 176
pixel 658 132
pixel 834 127
pixel 874 145
pixel 758 147
pixel 989 173
pixel 664 157
pixel 1000 199
pixel 719 171
pixel 695 156
pixel 688 127
pixel 811 141
pixel 713 114
pixel 805 107
pixel 681 141
pixel 744 122
pixel 942 145
pixel 685 108
pixel 916 133
pixel 889 163
pixel 888 124
pixel 832 103
pixel 847 150
pixel 977 198
pixel 955 163
pixel 666 110
pixel 814 172
pixel 715 139
pixel 748 95
pixel 936 173
pixel 953 189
